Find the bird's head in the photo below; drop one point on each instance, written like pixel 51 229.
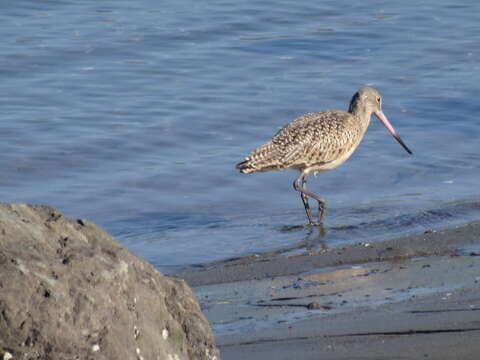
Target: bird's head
pixel 368 101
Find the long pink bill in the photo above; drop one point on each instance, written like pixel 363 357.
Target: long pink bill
pixel 381 116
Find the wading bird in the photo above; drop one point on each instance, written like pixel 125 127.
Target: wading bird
pixel 318 142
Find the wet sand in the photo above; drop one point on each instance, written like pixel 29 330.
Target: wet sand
pixel 415 297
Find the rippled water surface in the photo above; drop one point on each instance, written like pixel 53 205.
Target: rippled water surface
pixel 133 115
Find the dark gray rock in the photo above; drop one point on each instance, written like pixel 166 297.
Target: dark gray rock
pixel 68 290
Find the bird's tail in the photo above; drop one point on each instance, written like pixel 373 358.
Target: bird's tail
pixel 246 167
pixel 264 158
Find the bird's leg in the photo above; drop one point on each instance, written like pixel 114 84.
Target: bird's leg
pixel 305 199
pixel 300 185
pixel 321 207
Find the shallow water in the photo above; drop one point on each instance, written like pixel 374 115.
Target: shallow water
pixel 133 115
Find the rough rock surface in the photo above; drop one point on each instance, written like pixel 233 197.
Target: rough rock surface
pixel 68 290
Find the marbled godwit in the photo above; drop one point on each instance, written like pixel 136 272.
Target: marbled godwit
pixel 318 142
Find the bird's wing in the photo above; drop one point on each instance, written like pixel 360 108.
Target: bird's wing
pixel 314 138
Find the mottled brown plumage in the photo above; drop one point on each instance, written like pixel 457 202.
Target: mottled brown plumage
pixel 318 142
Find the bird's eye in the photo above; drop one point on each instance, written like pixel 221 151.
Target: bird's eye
pixel 379 100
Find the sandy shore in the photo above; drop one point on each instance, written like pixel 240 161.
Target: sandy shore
pixel 415 297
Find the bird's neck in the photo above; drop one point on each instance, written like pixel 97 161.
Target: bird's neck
pixel 360 112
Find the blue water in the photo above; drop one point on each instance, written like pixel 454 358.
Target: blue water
pixel 133 115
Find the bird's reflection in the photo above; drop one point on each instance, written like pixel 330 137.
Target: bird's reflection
pixel 313 238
